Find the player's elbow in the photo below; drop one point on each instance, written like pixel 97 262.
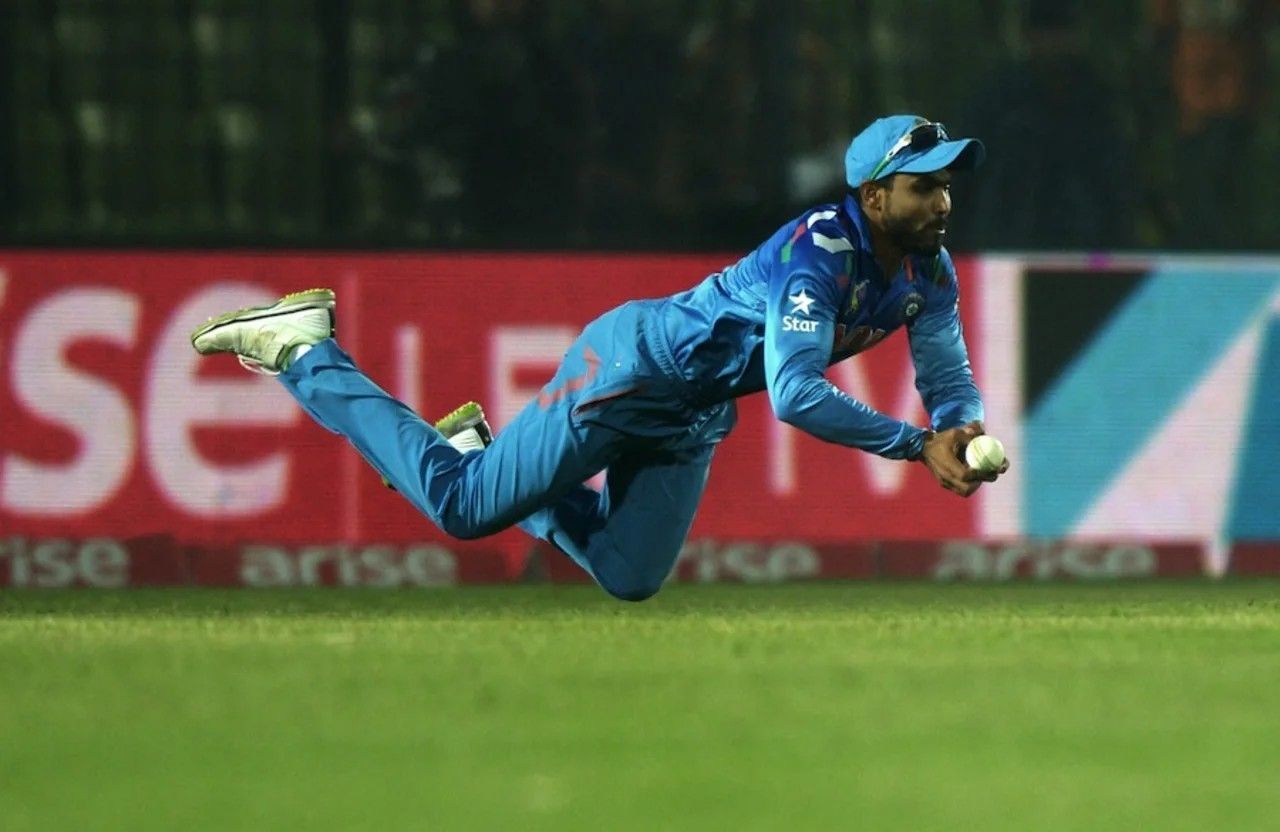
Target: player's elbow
pixel 787 407
pixel 784 410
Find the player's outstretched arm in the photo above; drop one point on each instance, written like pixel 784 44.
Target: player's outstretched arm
pixel 799 329
pixel 943 375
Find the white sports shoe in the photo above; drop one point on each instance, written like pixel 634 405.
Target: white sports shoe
pixel 263 336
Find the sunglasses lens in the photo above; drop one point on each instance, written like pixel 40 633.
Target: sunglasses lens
pixel 927 135
pixel 921 137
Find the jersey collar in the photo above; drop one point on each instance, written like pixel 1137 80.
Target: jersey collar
pixel 859 220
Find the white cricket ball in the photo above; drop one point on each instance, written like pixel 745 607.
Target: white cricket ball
pixel 984 453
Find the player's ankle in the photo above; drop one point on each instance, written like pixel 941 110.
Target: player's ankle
pixel 294 354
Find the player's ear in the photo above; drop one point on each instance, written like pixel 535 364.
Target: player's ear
pixel 871 195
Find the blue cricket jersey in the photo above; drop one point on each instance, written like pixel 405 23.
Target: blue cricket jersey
pixel 809 296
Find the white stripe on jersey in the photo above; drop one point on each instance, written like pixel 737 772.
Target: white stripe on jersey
pixel 835 245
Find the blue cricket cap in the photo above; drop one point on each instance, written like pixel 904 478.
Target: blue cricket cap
pixel 907 144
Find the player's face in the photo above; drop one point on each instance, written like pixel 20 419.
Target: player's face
pixel 916 208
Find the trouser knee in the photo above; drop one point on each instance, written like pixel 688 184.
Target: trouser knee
pixel 630 584
pixel 463 527
pixel 633 592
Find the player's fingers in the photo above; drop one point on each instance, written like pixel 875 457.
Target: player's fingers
pixel 1004 466
pixel 958 484
pixel 957 481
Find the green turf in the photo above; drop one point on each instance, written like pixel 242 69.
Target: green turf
pixel 869 706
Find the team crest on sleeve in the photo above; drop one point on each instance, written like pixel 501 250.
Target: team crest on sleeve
pixel 911 306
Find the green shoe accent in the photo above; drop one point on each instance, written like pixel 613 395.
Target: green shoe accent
pixel 464 417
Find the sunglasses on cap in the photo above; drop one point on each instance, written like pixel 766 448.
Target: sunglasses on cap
pixel 924 136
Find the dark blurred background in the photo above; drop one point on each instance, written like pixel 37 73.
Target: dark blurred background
pixel 1149 124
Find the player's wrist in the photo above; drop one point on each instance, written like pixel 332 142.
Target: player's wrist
pixel 915 451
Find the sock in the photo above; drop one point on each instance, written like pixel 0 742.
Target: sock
pixel 296 353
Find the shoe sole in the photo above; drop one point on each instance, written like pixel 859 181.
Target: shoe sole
pixel 292 302
pixel 460 419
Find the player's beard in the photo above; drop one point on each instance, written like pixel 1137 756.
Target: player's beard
pixel 906 235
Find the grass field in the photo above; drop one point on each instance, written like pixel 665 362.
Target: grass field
pixel 867 706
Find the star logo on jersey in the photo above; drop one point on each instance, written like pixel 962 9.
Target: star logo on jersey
pixel 800 303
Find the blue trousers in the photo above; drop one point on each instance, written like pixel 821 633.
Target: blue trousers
pixel 610 406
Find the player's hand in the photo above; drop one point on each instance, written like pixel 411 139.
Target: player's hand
pixel 944 454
